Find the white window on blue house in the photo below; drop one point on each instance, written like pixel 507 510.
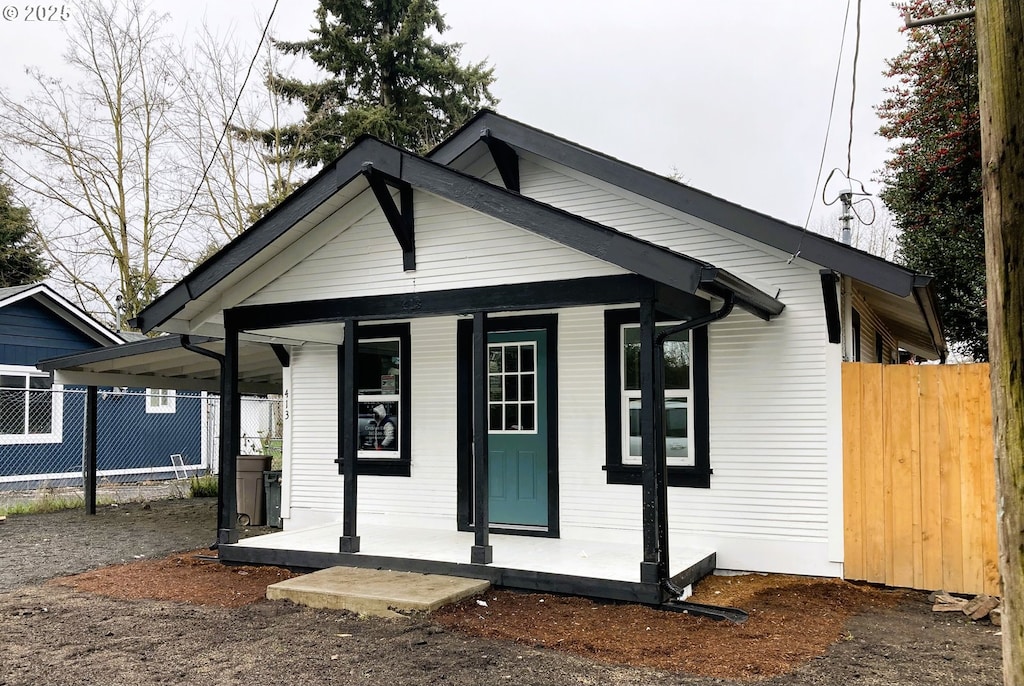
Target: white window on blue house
pixel 30 407
pixel 159 401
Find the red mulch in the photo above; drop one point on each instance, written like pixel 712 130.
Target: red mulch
pixel 792 619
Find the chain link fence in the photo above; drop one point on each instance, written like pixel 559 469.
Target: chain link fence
pixel 142 435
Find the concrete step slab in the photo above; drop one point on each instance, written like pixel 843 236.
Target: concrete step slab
pixel 377 592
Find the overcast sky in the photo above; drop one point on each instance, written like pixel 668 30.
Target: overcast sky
pixel 733 94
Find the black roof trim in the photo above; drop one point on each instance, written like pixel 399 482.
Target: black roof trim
pixel 116 352
pixel 760 227
pixel 271 226
pixel 641 257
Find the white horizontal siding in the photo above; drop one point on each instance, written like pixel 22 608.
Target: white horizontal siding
pixel 313 478
pixel 770 483
pixel 429 496
pixel 772 503
pixel 587 501
pixel 455 248
pixel 772 450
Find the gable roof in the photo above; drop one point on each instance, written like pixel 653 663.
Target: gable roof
pixel 62 308
pixel 346 176
pixel 904 295
pixel 760 227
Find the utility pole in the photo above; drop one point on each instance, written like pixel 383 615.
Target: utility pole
pixel 1000 29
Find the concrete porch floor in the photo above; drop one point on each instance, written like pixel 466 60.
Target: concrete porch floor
pixel 378 592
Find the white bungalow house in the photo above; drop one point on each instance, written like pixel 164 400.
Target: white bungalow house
pixel 477 335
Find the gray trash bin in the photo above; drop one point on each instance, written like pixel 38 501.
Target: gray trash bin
pixel 272 497
pixel 249 488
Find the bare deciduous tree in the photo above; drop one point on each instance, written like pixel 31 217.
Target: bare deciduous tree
pixel 139 165
pixel 247 177
pixel 878 238
pixel 96 153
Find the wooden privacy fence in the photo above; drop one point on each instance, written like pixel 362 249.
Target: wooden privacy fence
pixel 919 489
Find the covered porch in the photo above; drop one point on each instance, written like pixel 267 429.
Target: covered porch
pixel 604 569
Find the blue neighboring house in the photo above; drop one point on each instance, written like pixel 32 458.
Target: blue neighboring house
pixel 41 424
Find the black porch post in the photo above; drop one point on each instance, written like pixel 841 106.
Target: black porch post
pixel 89 456
pixel 230 437
pixel 348 435
pixel 482 552
pixel 654 567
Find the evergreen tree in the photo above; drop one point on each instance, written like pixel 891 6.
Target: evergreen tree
pixel 933 178
pixel 388 77
pixel 20 260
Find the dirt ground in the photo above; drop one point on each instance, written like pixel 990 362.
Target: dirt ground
pixel 165 618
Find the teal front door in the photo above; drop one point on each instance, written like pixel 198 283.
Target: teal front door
pixel 517 436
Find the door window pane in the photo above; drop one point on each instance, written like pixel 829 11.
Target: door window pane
pixel 527 357
pixel 529 412
pixel 511 358
pixel 512 417
pixel 511 387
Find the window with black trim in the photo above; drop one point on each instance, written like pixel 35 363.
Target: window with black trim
pixel 383 402
pixel 686 402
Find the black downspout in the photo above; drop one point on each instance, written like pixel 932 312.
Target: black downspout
pixel 187 344
pixel 222 506
pixel 230 407
pixel 659 343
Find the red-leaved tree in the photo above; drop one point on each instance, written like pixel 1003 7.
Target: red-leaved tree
pixel 932 180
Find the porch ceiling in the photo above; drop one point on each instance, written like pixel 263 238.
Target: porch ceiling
pixel 913 319
pixel 164 362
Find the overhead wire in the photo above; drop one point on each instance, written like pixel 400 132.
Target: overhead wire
pixel 223 134
pixel 828 129
pixel 853 91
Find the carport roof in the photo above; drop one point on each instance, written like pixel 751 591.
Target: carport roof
pixel 165 362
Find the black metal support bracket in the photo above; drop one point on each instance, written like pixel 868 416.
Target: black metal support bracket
pixel 400 219
pixel 505 158
pixel 828 293
pixel 282 354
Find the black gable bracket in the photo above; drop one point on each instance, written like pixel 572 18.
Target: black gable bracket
pixel 833 322
pixel 282 354
pixel 401 221
pixel 505 158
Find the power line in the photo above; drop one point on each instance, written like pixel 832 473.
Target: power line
pixel 223 133
pixel 828 129
pixel 853 92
